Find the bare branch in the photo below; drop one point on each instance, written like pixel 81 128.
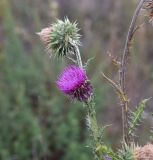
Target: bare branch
pixel 132 30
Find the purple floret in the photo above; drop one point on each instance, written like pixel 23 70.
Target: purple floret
pixel 74 82
pixel 107 158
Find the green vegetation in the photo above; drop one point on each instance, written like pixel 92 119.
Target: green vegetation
pixel 36 121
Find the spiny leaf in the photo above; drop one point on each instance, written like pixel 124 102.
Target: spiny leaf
pixel 88 62
pixel 127 152
pixel 137 116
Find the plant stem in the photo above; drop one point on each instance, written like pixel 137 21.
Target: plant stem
pixel 78 56
pixel 94 129
pixel 90 105
pixel 91 118
pixel 123 69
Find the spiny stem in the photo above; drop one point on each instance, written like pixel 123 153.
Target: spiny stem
pixel 94 129
pixel 92 120
pixel 90 105
pixel 91 117
pixel 124 66
pixel 78 56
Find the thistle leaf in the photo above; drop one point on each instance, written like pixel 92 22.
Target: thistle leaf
pixel 88 62
pixel 127 152
pixel 137 116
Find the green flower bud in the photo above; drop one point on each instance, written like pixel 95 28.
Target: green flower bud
pixel 61 37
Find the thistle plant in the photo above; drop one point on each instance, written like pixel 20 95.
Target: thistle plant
pixel 145 152
pixel 62 39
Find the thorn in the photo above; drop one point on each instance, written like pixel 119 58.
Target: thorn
pixel 88 61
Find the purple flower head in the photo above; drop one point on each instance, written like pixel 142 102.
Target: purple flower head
pixel 74 82
pixel 107 158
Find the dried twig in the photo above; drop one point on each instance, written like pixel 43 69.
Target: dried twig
pixel 124 66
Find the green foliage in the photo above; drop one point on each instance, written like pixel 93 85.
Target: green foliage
pixel 97 144
pixel 35 124
pixel 136 117
pixel 151 132
pixel 126 153
pixel 105 151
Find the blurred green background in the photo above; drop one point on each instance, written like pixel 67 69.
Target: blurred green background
pixel 37 122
